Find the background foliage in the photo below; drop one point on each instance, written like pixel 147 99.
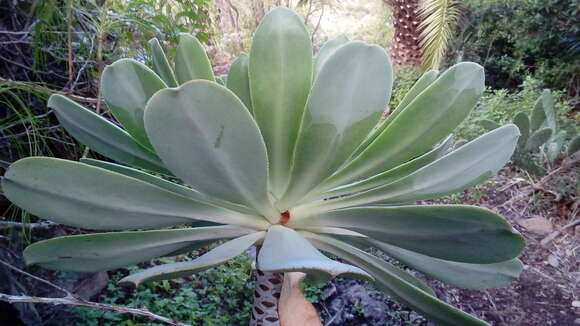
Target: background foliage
pixel 515 39
pixel 49 46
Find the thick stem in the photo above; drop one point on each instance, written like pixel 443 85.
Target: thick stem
pixel 293 307
pixel 266 297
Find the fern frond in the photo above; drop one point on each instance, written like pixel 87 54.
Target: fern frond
pixel 438 19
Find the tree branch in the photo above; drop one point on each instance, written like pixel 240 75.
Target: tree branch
pixel 71 301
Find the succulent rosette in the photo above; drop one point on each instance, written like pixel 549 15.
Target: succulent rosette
pixel 291 155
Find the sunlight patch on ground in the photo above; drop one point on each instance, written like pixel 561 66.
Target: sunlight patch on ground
pixel 364 20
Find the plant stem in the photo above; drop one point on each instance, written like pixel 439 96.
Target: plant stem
pixel 266 298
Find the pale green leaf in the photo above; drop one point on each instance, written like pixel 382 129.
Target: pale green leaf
pixel 554 146
pixel 85 196
pixel 548 106
pixel 463 275
pixel 326 52
pixel 538 138
pixel 214 257
pixel 104 251
pixel 167 185
pixel 102 136
pixel 238 80
pixel 191 61
pixel 127 85
pixel 322 242
pixel 422 83
pixel 396 285
pixel 280 79
pixel 429 118
pixel 538 115
pixel 285 250
pixel 464 167
pixel 488 124
pixel 346 101
pixel 161 65
pixel 574 145
pixel 393 174
pixel 206 137
pixel 522 121
pixel 466 234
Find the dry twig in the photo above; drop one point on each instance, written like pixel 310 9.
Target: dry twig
pixel 46 90
pixel 71 300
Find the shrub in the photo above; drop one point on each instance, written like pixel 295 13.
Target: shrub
pixel 513 39
pixel 502 105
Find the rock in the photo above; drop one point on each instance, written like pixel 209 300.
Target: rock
pixel 90 285
pixel 328 291
pixel 537 225
pixel 553 261
pixel 351 303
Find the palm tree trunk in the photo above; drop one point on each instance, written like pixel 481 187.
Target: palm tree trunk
pixel 405 50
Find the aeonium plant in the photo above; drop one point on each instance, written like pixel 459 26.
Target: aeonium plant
pixel 289 156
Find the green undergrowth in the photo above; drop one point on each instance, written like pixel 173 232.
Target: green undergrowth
pixel 502 105
pixel 219 296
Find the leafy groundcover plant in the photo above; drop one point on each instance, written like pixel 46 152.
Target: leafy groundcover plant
pixel 290 157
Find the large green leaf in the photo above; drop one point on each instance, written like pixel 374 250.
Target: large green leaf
pixel 326 52
pixel 522 121
pixel 548 106
pixel 81 195
pixel 574 145
pixel 280 79
pixel 191 61
pixel 319 241
pixel 422 83
pixel 466 234
pixel 127 85
pixel 161 65
pixel 239 81
pixel 216 256
pixel 467 276
pixel 167 185
pixel 394 174
pixel 464 167
pixel 538 138
pixel 554 146
pixel 488 124
pixel 205 136
pixel 538 115
pixel 347 100
pixel 103 251
pixel 397 286
pixel 101 135
pixel 429 118
pixel 285 250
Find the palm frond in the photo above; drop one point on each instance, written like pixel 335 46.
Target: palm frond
pixel 438 19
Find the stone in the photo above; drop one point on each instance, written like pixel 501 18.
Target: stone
pixel 553 261
pixel 90 285
pixel 537 225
